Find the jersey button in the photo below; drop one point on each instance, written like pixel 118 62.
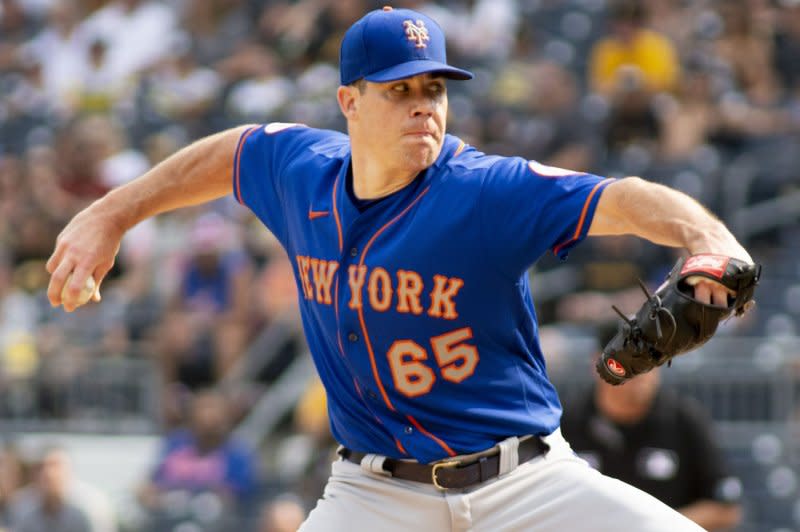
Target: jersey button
pixel 354 252
pixel 409 429
pixel 353 337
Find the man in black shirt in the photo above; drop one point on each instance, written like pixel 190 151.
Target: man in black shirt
pixel 660 442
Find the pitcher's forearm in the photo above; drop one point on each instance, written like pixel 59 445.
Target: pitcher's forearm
pixel 198 173
pixel 664 216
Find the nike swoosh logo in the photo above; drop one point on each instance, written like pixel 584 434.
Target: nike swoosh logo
pixel 313 215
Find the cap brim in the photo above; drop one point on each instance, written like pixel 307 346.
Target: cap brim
pixel 415 68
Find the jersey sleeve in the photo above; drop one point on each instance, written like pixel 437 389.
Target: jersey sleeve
pixel 261 158
pixel 528 208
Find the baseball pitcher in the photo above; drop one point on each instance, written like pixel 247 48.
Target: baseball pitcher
pixel 410 251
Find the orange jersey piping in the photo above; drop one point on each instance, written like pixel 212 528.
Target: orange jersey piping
pixel 582 219
pixel 336 214
pixel 441 443
pixel 361 310
pixel 236 159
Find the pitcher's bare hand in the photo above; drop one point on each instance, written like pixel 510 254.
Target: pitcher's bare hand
pixel 86 247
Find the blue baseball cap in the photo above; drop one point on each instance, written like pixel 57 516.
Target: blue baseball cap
pixel 389 44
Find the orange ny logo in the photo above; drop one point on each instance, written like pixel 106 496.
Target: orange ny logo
pixel 417 32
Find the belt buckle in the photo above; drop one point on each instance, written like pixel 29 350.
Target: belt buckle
pixel 436 467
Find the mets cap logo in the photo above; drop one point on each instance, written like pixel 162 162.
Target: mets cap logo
pixel 417 32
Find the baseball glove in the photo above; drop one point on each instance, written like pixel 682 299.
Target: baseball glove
pixel 672 321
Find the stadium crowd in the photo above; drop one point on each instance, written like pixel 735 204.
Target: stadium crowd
pixel 702 95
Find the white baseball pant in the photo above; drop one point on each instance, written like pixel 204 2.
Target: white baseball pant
pixel 557 492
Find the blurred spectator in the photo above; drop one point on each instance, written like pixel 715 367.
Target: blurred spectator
pixel 692 117
pixel 311 413
pixel 295 28
pixel 567 136
pixel 746 46
pixel 336 17
pixel 216 27
pixel 25 98
pixel 607 273
pixel 99 89
pixel 549 126
pixel 305 457
pixel 657 441
pixel 19 356
pixel 93 156
pixel 677 20
pixel 12 193
pixel 121 162
pixel 40 206
pixel 285 513
pixel 180 90
pixel 301 31
pixel 478 30
pixel 57 501
pixel 82 147
pixel 203 459
pixel 61 50
pixel 159 145
pixel 217 276
pixel 16 24
pixel 263 91
pixel 207 325
pixel 136 32
pixel 44 506
pixel 278 291
pixel 786 47
pixel 11 480
pixel 632 54
pixel 633 120
pixel 313 86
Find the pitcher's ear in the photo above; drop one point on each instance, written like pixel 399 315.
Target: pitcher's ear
pixel 347 96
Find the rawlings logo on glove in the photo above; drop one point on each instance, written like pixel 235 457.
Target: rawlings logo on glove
pixel 672 321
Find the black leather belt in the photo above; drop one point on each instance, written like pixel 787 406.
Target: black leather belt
pixel 454 473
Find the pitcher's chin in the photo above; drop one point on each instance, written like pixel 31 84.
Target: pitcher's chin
pixel 422 151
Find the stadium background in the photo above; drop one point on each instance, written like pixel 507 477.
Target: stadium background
pixel 94 92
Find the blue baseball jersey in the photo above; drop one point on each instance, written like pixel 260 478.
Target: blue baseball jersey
pixel 417 310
